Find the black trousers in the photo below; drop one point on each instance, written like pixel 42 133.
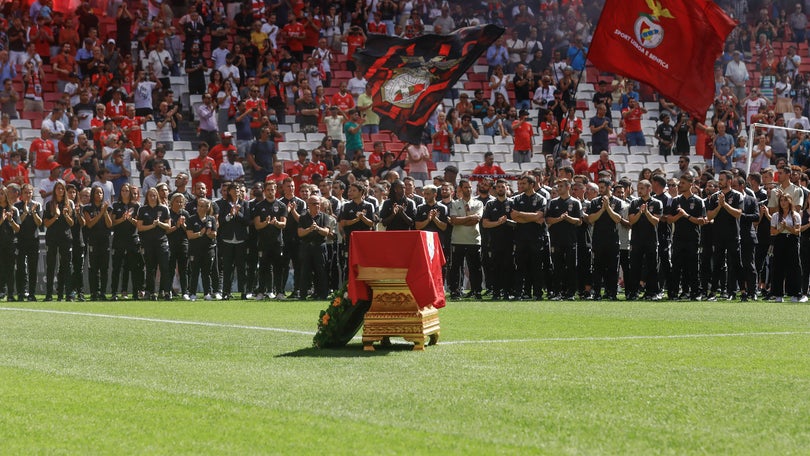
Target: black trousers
pixel 178 259
pixel 804 256
pixel 500 262
pixel 273 267
pixel 786 270
pixel 127 261
pixel 584 266
pixel 77 269
pixel 748 271
pixel 527 268
pixel 156 256
pixel 291 254
pixel 58 252
pixel 727 251
pixel 684 277
pixel 201 262
pixel 472 254
pixel 27 260
pixel 487 267
pixel 664 264
pixel 606 267
pixel 707 278
pixel 644 263
pixel 564 260
pixel 233 259
pixel 312 260
pixel 762 262
pixel 98 255
pixel 8 253
pixel 251 266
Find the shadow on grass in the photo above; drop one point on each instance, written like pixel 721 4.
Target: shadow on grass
pixel 349 351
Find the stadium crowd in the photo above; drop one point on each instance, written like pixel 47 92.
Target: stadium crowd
pixel 97 82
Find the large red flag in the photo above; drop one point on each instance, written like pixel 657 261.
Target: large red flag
pixel 409 78
pixel 671 45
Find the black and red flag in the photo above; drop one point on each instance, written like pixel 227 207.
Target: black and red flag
pixel 409 78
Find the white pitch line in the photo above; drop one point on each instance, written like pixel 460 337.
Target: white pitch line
pixel 158 320
pixel 450 342
pixel 619 338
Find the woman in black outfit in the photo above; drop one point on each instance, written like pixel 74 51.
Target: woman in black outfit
pixel 153 222
pixel 78 250
pixel 28 243
pixel 58 218
pixel 99 227
pixel 234 218
pixel 9 226
pixel 126 244
pixel 178 241
pixel 201 230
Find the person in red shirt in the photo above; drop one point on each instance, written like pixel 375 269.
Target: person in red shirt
pixel 295 33
pixel 41 35
pixel 257 108
pixel 488 168
pixel 571 128
pixel 315 166
pixel 203 169
pixel 296 170
pixel 220 152
pixel 15 172
pixel 632 123
pixel 116 109
pixel 132 126
pixel 312 32
pixel 551 130
pixel 580 164
pixel 278 175
pixel 343 99
pixel 603 164
pixel 355 39
pixel 523 138
pixel 42 153
pixel 376 25
pixel 63 65
pixel 375 159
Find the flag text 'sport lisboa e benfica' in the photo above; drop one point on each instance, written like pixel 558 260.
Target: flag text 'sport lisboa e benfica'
pixel 409 78
pixel 671 45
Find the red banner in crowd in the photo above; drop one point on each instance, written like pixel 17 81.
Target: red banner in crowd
pixel 409 78
pixel 671 45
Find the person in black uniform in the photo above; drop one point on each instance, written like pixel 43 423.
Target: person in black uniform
pixel 28 243
pixel 126 255
pixel 357 214
pixel 153 222
pixel 77 253
pixel 295 207
pixel 269 219
pixel 748 241
pixel 584 272
pixel 58 218
pixel 644 214
pixel 562 217
pixel 659 189
pixel 9 227
pixel 98 224
pixel 530 238
pixel 763 228
pixel 708 284
pixel 313 230
pixel 484 188
pixel 201 230
pixel 725 208
pixel 604 213
pixel 497 222
pixel 252 243
pixel 398 211
pixel 233 221
pixel 178 241
pixel 432 215
pixel 689 215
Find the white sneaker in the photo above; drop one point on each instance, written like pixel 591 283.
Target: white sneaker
pixel 186 297
pixel 779 299
pixel 193 297
pixel 218 296
pixel 248 295
pixel 803 299
pixel 208 297
pixel 271 295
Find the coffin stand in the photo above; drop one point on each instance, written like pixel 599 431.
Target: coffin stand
pixel 394 311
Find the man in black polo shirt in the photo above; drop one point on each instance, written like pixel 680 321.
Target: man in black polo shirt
pixel 748 240
pixel 483 187
pixel 689 215
pixel 295 207
pixel 432 215
pixel 659 189
pixel 531 238
pixel 604 214
pixel 562 217
pixel 313 228
pixel 398 211
pixel 269 219
pixel 725 208
pixel 357 214
pixel 498 225
pixel 644 214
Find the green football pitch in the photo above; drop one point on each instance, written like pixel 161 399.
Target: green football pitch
pixel 506 378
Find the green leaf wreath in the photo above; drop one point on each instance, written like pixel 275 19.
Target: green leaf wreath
pixel 338 324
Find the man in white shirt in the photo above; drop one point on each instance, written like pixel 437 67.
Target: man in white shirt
pixel 752 104
pixel 357 85
pixel 161 60
pixel 142 93
pixel 229 70
pixel 737 75
pixel 220 54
